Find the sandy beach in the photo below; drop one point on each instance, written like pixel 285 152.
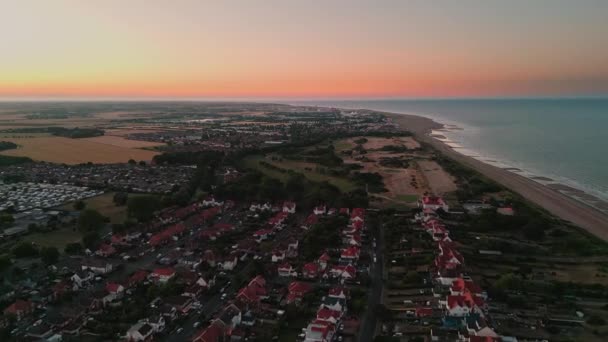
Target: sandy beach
pixel 560 205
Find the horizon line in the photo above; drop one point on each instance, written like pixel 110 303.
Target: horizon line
pixel 290 99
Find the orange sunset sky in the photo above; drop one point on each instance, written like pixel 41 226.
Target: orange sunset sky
pixel 302 49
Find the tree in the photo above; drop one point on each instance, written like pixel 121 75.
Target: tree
pixel 6 219
pixel 32 227
pixel 120 198
pixel 132 162
pixel 49 255
pixel 74 248
pixel 90 220
pixel 91 239
pixel 5 262
pixel 509 282
pixel 596 320
pixel 142 208
pixel 25 250
pixel 118 228
pixel 79 205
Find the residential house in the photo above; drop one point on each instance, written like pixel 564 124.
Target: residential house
pixel 434 203
pixel 319 331
pixel 319 210
pixel 350 254
pixel 19 309
pixel 286 270
pixel 289 207
pixel 310 270
pixel 162 275
pixel 98 266
pixel 140 331
pixel 296 291
pixel 228 262
pixel 213 333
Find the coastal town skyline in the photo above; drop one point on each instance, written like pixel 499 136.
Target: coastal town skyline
pixel 292 50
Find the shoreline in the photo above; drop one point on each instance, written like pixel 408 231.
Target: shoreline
pixel 546 196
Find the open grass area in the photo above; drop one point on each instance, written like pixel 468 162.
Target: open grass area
pixel 291 331
pixel 58 238
pixel 305 168
pixel 343 145
pixel 407 198
pixel 74 151
pixel 105 205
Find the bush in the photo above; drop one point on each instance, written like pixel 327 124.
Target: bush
pixel 79 205
pixel 120 198
pixel 596 320
pixel 142 208
pixel 91 240
pixel 90 221
pixel 49 255
pixel 74 248
pixel 25 250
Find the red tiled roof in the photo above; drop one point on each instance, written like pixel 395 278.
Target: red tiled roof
pixel 113 287
pixel 325 314
pixel 432 200
pixel 138 277
pixel 310 268
pixel 163 272
pixel 285 267
pixel 337 291
pixel 350 252
pixel 424 311
pixel 19 306
pixel 213 333
pixel 298 287
pixel 324 257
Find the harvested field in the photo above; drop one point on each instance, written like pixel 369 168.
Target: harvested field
pixel 124 131
pixel 74 151
pixel 122 142
pixel 118 115
pixel 439 181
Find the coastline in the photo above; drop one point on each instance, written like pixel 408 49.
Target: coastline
pixel 547 197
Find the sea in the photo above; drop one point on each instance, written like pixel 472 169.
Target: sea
pixel 560 141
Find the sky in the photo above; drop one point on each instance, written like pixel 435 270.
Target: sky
pixel 302 49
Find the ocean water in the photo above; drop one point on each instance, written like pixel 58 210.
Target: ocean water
pixel 562 139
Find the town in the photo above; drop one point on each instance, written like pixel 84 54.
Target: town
pixel 282 223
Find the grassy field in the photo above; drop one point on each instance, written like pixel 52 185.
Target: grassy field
pixel 407 198
pixel 74 151
pixel 254 162
pixel 58 238
pixel 343 145
pixel 105 205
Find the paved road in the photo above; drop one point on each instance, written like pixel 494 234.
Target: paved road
pixel 368 323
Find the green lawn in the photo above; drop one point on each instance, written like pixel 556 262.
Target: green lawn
pixel 254 162
pixel 342 145
pixel 58 238
pixel 105 205
pixel 407 198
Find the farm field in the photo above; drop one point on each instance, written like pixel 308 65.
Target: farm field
pixel 122 142
pixel 307 169
pixel 74 151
